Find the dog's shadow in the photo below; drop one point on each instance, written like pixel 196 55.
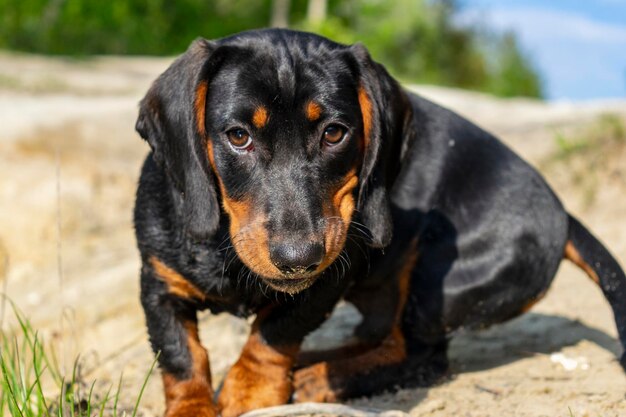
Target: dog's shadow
pixel 528 335
pixel 470 351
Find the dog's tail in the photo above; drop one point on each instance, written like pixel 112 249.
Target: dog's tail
pixel 584 250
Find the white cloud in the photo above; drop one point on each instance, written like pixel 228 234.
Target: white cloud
pixel 532 22
pixel 579 57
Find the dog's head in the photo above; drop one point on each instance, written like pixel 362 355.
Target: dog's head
pixel 287 131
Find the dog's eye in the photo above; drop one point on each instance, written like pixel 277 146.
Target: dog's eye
pixel 333 134
pixel 239 139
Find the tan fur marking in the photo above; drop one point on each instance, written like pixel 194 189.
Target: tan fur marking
pixel 313 383
pixel 351 181
pixel 200 107
pixel 211 156
pixel 260 378
pixel 367 113
pixel 238 212
pixel 573 255
pixel 249 237
pixel 177 285
pixel 341 207
pixel 260 117
pixel 313 111
pixel 193 396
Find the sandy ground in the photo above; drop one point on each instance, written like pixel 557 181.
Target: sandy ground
pixel 69 160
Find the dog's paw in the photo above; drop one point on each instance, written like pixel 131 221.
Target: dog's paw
pixel 191 409
pixel 312 384
pixel 248 387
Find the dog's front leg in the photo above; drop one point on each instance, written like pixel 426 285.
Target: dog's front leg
pixel 262 377
pixel 173 329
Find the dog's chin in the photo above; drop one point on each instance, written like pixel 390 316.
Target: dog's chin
pixel 291 284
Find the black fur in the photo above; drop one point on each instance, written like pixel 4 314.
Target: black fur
pixel 488 230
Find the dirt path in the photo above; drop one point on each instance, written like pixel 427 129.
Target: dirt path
pixel 69 160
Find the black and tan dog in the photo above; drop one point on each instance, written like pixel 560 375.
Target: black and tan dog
pixel 288 172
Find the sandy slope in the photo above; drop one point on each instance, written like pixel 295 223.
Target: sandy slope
pixel 69 159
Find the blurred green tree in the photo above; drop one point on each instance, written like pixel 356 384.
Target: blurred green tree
pixel 417 40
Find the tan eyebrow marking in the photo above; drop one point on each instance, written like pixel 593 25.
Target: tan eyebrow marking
pixel 260 117
pixel 313 111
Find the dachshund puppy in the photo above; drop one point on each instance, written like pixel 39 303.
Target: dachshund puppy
pixel 288 172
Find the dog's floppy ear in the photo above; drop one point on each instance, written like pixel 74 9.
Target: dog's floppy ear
pixel 383 107
pixel 171 119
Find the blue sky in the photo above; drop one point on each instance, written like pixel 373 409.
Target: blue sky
pixel 578 45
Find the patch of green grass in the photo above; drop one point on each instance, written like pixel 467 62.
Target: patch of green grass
pixel 568 147
pixel 607 132
pixel 589 155
pixel 32 385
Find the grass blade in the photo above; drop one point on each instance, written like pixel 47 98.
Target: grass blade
pixel 145 383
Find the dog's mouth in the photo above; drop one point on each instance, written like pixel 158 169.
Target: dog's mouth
pixel 291 284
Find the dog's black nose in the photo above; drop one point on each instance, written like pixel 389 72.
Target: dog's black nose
pixel 298 257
